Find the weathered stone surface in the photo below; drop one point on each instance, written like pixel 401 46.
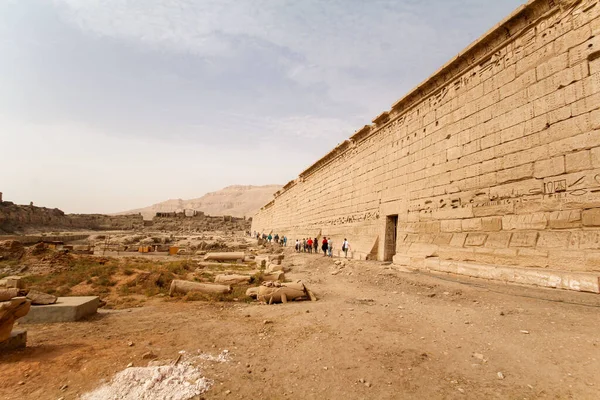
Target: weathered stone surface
pixel 10 311
pixel 232 279
pixel 39 298
pixel 66 309
pixel 184 287
pixel 233 256
pixel 7 294
pixel 507 149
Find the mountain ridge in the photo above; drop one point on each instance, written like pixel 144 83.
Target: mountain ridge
pixel 234 200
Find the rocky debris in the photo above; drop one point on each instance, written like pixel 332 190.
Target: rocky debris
pixel 274 276
pixel 232 279
pixel 12 282
pixel 277 292
pixel 7 294
pixel 40 298
pixel 10 311
pixel 276 258
pixel 184 287
pixel 11 249
pixel 233 256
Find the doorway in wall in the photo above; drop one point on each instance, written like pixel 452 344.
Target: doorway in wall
pixel 391 229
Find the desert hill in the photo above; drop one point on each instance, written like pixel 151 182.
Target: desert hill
pixel 237 201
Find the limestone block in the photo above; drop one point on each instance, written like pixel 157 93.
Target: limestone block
pixel 442 239
pixel 524 239
pixel 40 298
pixel 564 219
pixel 491 224
pixel 12 282
pixel 498 240
pixel 458 240
pixel 471 224
pixel 584 240
pixel 475 239
pixel 595 155
pixel 578 161
pixel 7 294
pixel 534 221
pixel 591 217
pixel 233 256
pixel 422 250
pixel 451 225
pixel 551 167
pixel 553 240
pixel 184 287
pixel 493 208
pixel 515 173
pixel 232 279
pixel 10 311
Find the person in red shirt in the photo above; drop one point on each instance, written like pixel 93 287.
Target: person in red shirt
pixel 309 244
pixel 324 246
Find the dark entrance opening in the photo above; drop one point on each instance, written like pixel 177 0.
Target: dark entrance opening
pixel 391 229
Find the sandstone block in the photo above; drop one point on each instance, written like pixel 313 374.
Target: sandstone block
pixel 551 167
pixel 491 224
pixel 515 174
pixel 475 239
pixel 564 219
pixel 458 240
pixel 554 240
pixel 452 225
pixel 523 239
pixel 471 224
pixel 591 217
pixel 534 221
pixel 498 240
pixel 39 298
pixel 578 161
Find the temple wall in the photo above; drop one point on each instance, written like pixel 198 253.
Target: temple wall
pixel 494 159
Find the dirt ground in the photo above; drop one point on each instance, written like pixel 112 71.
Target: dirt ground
pixel 375 333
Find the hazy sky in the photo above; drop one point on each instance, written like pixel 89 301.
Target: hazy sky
pixel 108 105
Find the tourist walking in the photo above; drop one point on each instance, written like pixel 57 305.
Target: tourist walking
pixel 330 247
pixel 309 245
pixel 297 246
pixel 345 247
pixel 324 246
pixel 316 245
pixel 269 238
pixel 304 245
pixel 285 241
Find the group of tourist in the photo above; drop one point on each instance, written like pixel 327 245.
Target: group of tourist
pixel 306 245
pixel 271 239
pixel 312 246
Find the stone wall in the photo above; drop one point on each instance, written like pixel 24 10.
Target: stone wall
pixel 494 159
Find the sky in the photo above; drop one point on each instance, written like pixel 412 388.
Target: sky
pixel 110 105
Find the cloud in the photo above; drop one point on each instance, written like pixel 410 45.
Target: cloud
pixel 160 82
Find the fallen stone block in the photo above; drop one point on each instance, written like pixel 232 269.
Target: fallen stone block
pixel 66 309
pixel 274 276
pixel 184 287
pixel 10 311
pixel 12 282
pixel 232 279
pixel 16 340
pixel 252 292
pixel 40 298
pixel 233 256
pixel 276 292
pixel 7 294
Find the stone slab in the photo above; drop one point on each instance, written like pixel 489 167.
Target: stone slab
pixel 17 340
pixel 66 309
pixel 578 281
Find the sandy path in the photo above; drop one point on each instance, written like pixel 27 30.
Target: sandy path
pixel 374 333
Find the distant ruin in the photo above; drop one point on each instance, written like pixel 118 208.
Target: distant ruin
pixel 21 218
pixel 490 168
